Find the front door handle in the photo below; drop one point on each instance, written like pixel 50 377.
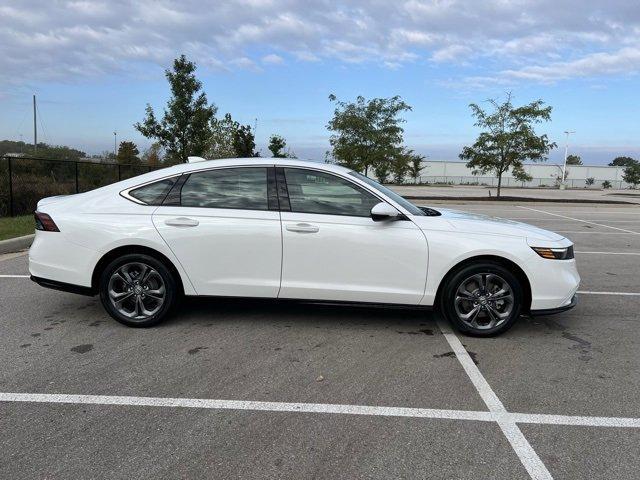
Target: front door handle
pixel 303 228
pixel 182 222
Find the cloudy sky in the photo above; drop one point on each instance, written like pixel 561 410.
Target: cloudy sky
pixel 95 64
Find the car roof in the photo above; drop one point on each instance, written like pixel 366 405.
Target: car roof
pixel 253 161
pixel 181 168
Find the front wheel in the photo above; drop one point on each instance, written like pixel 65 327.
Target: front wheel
pixel 137 290
pixel 482 299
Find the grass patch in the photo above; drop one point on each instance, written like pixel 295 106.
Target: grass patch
pixel 11 227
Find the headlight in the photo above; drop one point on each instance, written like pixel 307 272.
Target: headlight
pixel 565 253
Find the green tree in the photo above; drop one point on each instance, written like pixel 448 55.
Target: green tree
pixel 128 153
pixel 632 174
pixel 574 160
pixel 277 144
pixel 107 156
pixel 414 162
pixel 223 132
pixel 53 152
pixel 185 127
pixel 153 155
pixel 508 138
pixel 406 163
pixel 382 170
pixel 244 142
pixel 606 184
pixel 622 162
pixel 366 133
pixel 590 181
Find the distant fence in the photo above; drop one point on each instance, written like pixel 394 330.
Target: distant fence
pixel 24 181
pixel 513 182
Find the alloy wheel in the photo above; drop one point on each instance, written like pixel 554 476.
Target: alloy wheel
pixel 136 290
pixel 484 301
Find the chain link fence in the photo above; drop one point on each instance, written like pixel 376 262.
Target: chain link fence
pixel 24 181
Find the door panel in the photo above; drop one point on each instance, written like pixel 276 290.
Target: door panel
pixel 352 259
pixel 228 252
pixel 224 227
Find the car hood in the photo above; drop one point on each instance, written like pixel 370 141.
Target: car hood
pixel 485 224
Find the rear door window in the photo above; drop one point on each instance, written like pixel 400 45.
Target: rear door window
pixel 242 188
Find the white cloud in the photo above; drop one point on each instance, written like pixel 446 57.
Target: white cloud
pixel 272 59
pixel 625 60
pixel 524 40
pixel 451 53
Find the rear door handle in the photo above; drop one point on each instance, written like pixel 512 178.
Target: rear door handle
pixel 182 222
pixel 303 228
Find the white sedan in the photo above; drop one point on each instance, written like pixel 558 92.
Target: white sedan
pixel 289 229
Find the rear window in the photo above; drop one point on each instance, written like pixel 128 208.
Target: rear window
pixel 153 193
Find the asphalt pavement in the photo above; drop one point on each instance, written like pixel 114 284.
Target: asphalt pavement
pixel 250 389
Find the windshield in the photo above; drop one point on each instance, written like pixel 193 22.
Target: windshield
pixel 407 205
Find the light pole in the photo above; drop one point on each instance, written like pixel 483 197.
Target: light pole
pixel 566 151
pixel 115 143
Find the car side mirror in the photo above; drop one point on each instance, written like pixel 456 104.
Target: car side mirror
pixel 384 211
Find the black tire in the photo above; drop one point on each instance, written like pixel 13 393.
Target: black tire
pixel 491 303
pixel 154 310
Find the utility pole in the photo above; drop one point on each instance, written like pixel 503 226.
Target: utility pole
pixel 35 127
pixel 115 143
pixel 566 151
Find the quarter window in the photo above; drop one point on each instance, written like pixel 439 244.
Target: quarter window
pixel 237 188
pixel 311 191
pixel 154 193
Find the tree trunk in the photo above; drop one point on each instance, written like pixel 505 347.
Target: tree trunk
pixel 499 184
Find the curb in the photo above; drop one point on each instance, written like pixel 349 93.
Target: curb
pixel 16 244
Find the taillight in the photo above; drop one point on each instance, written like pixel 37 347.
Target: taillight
pixel 45 223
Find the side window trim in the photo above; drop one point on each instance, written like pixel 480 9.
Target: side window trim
pixel 355 185
pixel 283 190
pixel 173 197
pixel 272 190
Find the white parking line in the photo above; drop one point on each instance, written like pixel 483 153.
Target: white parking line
pixel 587 292
pixel 329 408
pixel 528 456
pixel 544 219
pixel 14 276
pixel 608 253
pixel 248 405
pixel 580 220
pixel 590 232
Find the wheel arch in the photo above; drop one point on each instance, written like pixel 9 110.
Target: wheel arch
pixel 505 262
pixel 132 249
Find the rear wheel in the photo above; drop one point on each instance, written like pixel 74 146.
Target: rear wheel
pixel 137 290
pixel 482 299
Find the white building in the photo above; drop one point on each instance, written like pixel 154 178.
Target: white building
pixel 544 174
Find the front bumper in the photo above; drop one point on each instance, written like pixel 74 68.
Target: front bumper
pixel 552 311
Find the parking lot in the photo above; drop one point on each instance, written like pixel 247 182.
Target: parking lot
pixel 249 389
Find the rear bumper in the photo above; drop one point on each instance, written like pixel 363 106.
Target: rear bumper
pixel 551 311
pixel 64 287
